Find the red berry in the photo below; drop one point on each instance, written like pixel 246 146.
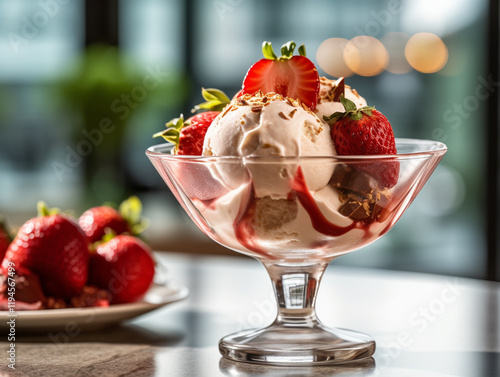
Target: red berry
pixel 97 221
pixel 192 135
pixel 94 222
pixel 366 131
pixel 188 136
pixel 56 250
pixel 291 76
pixel 123 266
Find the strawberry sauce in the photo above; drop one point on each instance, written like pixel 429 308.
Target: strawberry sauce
pixel 243 227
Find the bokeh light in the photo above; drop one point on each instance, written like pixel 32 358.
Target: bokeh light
pixel 330 57
pixel 366 56
pixel 426 52
pixel 395 43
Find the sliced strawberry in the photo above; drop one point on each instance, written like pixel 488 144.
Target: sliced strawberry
pixel 365 131
pixel 291 76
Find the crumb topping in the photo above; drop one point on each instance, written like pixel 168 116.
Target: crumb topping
pixel 257 101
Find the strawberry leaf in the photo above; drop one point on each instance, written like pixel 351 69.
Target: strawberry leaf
pixel 131 209
pixel 43 210
pixel 302 50
pixel 334 117
pixel 216 100
pixel 348 104
pixel 350 110
pixel 172 133
pixel 287 50
pixel 267 51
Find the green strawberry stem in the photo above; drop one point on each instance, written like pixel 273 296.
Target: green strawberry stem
pixel 43 210
pixel 216 100
pixel 351 111
pixel 286 50
pixel 109 234
pixel 131 210
pixel 173 131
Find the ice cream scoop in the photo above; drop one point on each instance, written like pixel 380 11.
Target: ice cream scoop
pixel 270 125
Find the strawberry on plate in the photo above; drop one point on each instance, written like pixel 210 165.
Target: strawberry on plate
pixel 127 219
pixel 124 267
pixel 365 131
pixel 53 247
pixel 291 76
pixel 188 136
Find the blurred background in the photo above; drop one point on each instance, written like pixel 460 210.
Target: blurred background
pixel 85 84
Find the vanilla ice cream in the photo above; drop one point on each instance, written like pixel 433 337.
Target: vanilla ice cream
pixel 270 125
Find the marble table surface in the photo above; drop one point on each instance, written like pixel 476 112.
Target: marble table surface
pixel 424 325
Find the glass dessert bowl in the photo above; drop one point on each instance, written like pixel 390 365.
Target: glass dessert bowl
pixel 295 215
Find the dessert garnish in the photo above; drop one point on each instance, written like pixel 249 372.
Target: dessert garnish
pixel 365 131
pixel 293 76
pixel 188 136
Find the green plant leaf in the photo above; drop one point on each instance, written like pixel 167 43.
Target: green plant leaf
pixel 287 49
pixel 267 51
pixel 171 134
pixel 302 50
pixel 216 100
pixel 131 210
pixel 348 104
pixel 335 116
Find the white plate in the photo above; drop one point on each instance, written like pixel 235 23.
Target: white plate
pixel 79 319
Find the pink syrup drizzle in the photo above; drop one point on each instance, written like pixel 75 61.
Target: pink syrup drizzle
pixel 243 226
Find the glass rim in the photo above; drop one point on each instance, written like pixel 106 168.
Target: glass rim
pixel 433 148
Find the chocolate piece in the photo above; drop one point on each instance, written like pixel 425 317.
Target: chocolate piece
pixel 361 199
pixel 338 89
pixel 362 207
pixel 348 178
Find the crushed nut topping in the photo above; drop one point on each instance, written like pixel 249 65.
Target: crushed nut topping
pixel 283 116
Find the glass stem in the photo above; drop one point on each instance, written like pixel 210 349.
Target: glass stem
pixel 296 287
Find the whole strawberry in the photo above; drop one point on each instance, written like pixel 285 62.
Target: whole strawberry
pixel 188 136
pixel 127 219
pixel 5 237
pixel 54 248
pixel 293 76
pixel 123 266
pixel 365 131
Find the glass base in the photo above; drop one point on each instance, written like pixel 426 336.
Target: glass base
pixel 297 345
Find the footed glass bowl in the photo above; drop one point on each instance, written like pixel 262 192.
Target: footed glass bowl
pixel 295 215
